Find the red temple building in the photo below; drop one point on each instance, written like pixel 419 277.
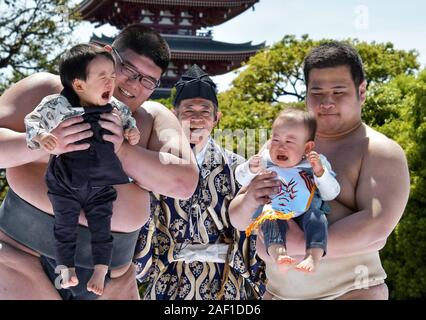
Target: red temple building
pixel 180 23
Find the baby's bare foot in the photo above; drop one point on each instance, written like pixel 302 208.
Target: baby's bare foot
pixel 285 259
pixel 307 265
pixel 96 282
pixel 313 256
pixel 279 253
pixel 69 278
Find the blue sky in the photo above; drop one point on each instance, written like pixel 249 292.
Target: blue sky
pixel 402 23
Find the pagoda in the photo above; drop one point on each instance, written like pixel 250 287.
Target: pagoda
pixel 180 23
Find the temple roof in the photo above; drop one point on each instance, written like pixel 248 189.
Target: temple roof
pixel 196 47
pixel 179 22
pixel 179 3
pixel 198 13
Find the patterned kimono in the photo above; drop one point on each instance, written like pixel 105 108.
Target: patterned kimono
pixel 202 219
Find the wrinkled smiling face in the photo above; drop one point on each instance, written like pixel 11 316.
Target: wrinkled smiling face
pixel 198 118
pixel 288 143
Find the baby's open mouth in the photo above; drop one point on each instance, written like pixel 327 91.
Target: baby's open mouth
pixel 282 157
pixel 105 95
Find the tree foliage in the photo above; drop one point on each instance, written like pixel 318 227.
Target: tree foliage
pixel 277 71
pixel 3 184
pixel 33 33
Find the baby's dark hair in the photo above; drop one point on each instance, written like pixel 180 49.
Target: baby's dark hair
pixel 335 54
pixel 74 62
pixel 144 41
pixel 294 115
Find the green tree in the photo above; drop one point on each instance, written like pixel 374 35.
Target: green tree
pixel 33 33
pixel 277 71
pixel 3 184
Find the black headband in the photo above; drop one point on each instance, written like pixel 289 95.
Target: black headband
pixel 195 83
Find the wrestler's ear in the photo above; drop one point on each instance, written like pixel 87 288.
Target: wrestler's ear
pixel 309 146
pixel 362 91
pixel 78 85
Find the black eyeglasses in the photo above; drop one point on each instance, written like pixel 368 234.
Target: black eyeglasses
pixel 148 82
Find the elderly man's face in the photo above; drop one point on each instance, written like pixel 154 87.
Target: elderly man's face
pixel 198 118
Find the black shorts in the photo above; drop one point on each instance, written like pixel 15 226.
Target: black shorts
pixel 33 228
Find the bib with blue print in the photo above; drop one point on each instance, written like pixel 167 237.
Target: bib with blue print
pixel 296 190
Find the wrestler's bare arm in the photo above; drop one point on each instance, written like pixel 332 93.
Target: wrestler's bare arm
pixel 168 165
pixel 297 247
pixel 15 104
pixel 381 196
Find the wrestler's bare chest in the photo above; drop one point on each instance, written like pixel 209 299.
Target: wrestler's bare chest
pixel 345 158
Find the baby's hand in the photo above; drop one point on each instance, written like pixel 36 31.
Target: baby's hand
pixel 132 135
pixel 255 164
pixel 47 141
pixel 315 161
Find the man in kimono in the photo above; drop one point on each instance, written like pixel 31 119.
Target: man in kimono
pixel 189 249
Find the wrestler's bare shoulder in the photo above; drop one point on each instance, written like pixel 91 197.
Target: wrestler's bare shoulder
pixel 365 141
pixel 43 81
pixel 22 97
pixel 151 111
pixel 155 109
pixel 381 146
pixel 147 117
